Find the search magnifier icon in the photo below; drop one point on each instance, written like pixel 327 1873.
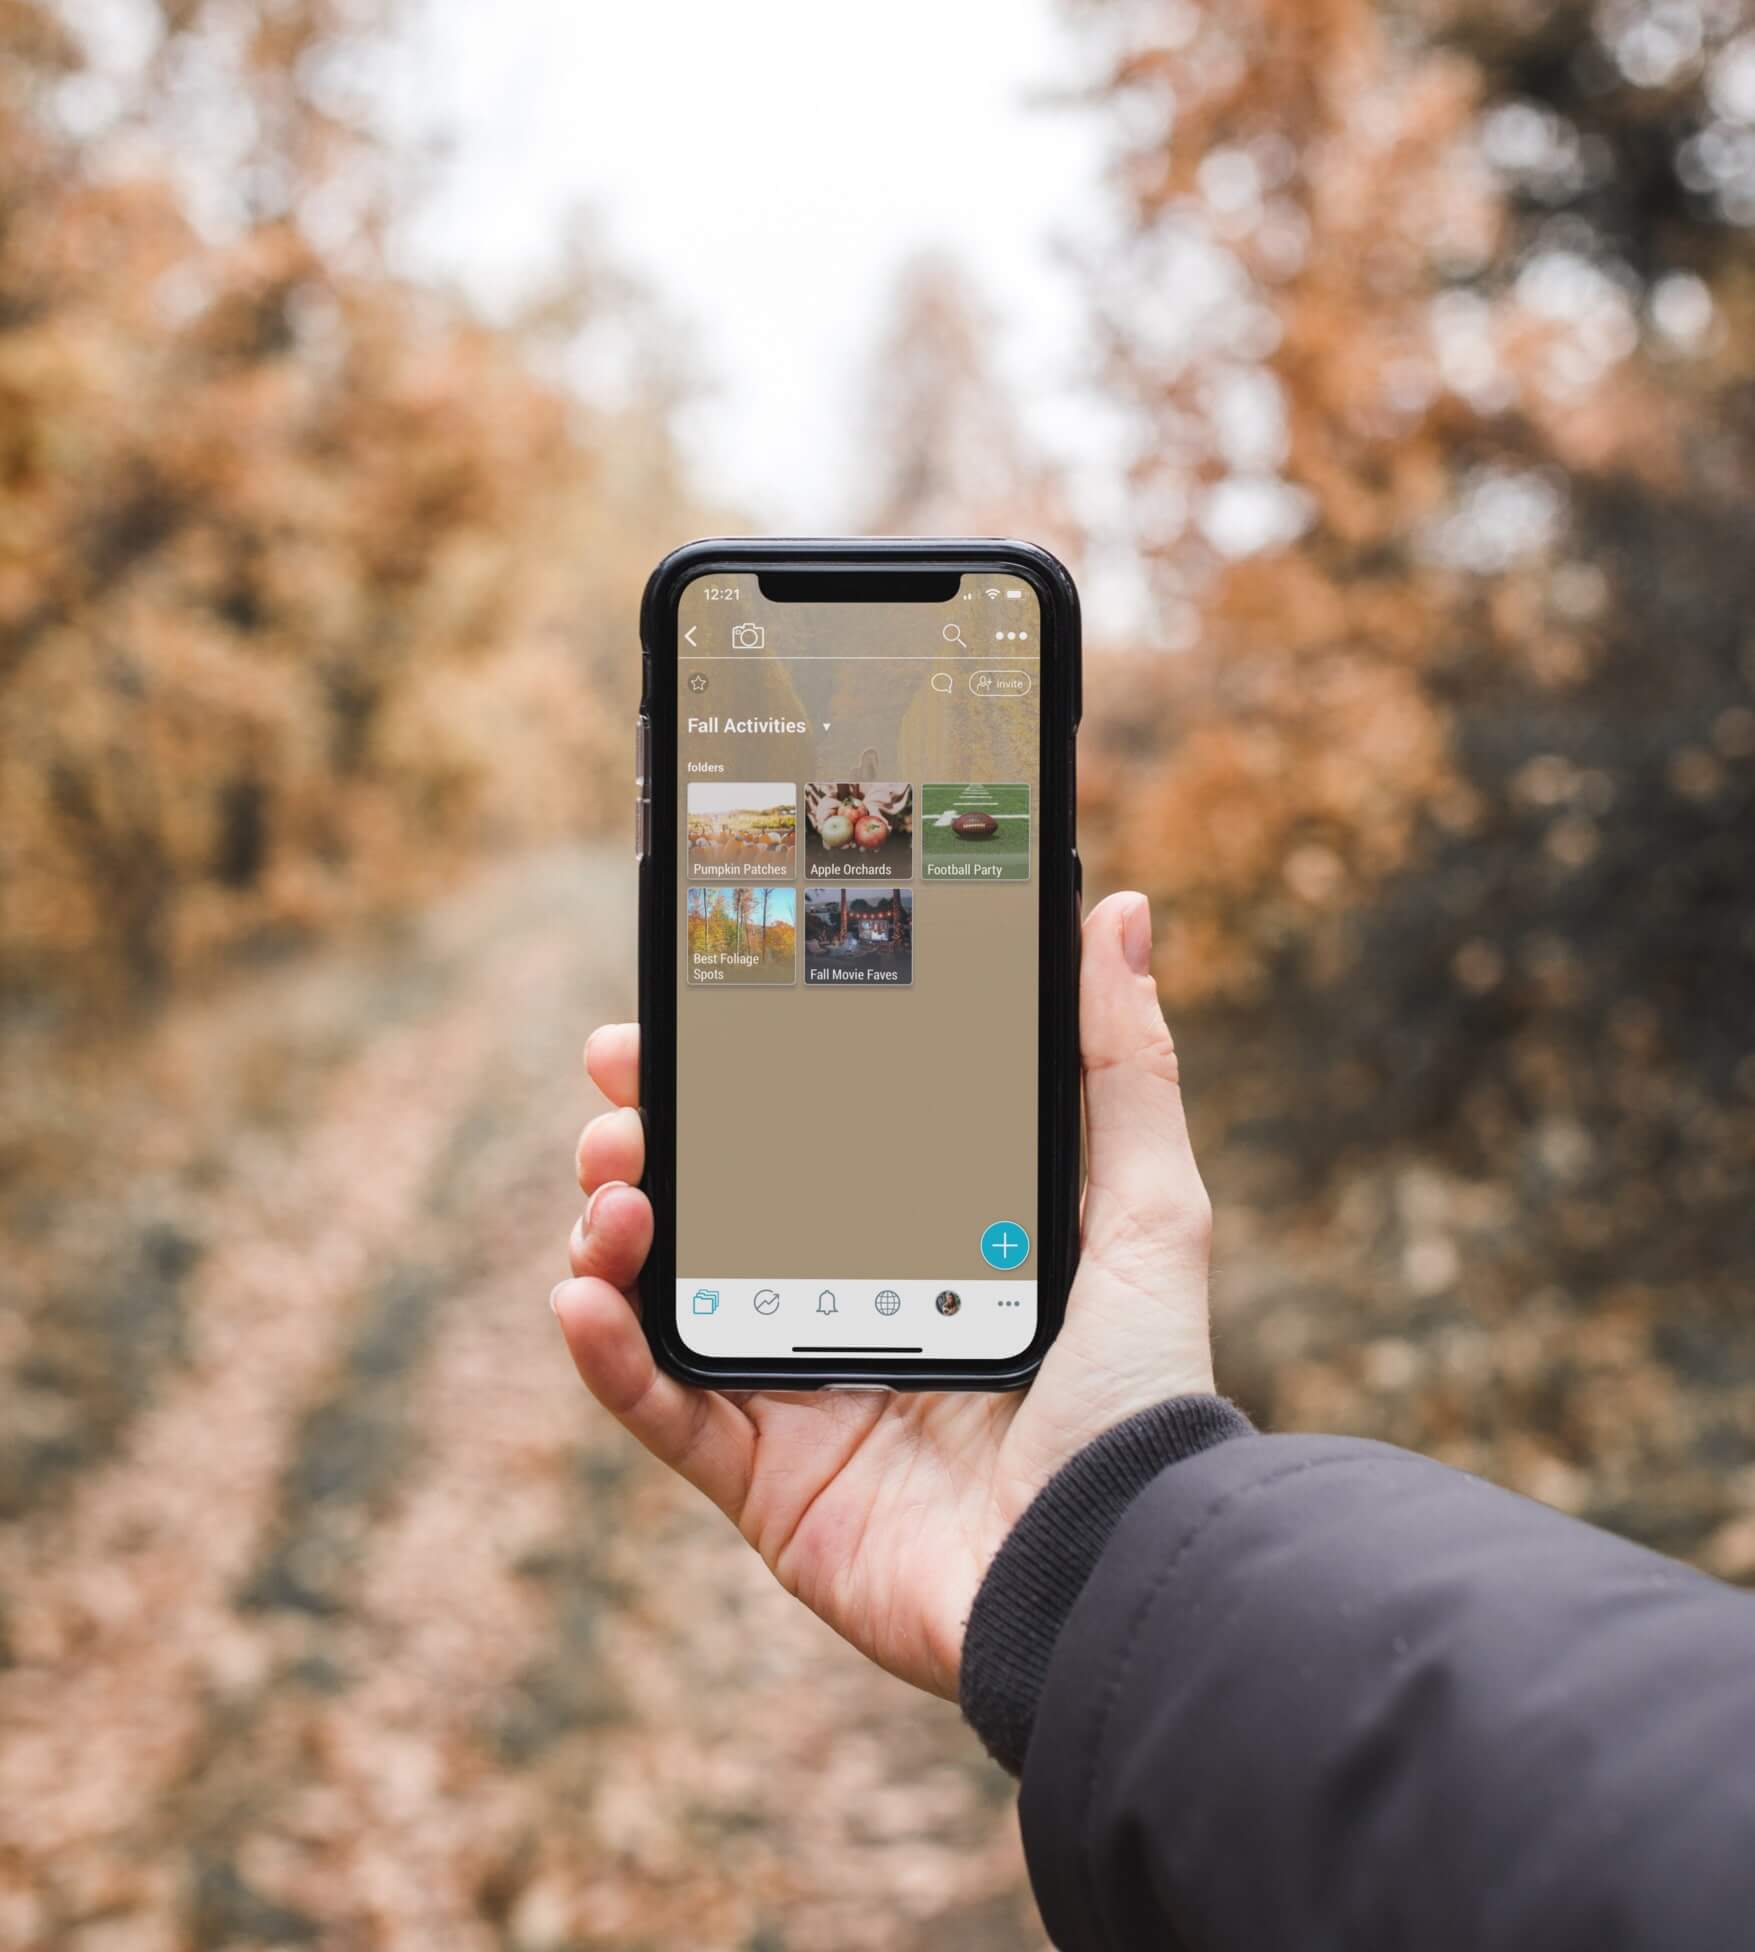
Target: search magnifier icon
pixel 953 634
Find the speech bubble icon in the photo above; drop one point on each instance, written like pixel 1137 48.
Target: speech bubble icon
pixel 943 681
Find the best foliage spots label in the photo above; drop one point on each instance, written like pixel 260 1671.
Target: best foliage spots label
pixel 742 936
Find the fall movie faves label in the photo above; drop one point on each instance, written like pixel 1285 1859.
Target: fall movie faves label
pixel 859 936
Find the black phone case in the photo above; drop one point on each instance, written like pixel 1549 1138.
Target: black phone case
pixel 1058 1065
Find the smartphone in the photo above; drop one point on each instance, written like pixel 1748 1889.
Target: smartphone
pixel 859 925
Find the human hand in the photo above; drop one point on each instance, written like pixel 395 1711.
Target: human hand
pixel 892 802
pixel 880 1512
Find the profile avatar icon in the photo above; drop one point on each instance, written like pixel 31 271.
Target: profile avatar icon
pixel 826 1303
pixel 949 1302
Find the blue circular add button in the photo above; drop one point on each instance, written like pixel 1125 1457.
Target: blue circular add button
pixel 1005 1245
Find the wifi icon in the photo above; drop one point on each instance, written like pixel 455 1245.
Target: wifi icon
pixel 993 593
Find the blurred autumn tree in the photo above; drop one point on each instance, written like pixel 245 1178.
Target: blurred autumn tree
pixel 310 582
pixel 946 450
pixel 1439 321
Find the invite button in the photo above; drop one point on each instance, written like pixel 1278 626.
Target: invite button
pixel 1000 684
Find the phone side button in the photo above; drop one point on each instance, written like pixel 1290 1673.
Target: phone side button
pixel 642 827
pixel 642 749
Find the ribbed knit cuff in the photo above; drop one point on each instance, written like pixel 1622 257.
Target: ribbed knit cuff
pixel 1039 1572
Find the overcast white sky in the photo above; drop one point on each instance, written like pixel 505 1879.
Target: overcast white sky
pixel 767 166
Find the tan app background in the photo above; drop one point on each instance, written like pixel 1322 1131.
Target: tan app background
pixel 842 1129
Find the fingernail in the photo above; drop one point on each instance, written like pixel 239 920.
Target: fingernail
pixel 554 1297
pixel 598 1195
pixel 1136 937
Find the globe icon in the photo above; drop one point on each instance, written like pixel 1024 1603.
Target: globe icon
pixel 888 1301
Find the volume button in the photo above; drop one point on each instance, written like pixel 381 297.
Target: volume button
pixel 642 751
pixel 642 828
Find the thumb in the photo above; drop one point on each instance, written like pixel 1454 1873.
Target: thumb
pixel 1146 1211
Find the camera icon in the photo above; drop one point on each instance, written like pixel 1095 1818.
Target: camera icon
pixel 748 637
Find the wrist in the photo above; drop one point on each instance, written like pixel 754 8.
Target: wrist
pixel 1042 1565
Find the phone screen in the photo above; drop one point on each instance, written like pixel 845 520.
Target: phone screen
pixel 858 917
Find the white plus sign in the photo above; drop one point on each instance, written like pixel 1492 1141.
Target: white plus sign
pixel 1005 1244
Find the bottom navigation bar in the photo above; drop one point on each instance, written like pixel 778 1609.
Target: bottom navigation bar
pixel 738 1316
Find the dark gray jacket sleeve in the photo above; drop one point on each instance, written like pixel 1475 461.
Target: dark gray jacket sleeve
pixel 1317 1692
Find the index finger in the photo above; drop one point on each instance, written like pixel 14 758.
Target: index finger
pixel 612 1058
pixel 695 1431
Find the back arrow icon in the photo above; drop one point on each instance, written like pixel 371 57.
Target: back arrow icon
pixel 689 635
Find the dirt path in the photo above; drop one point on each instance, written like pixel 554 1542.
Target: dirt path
pixel 332 1612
